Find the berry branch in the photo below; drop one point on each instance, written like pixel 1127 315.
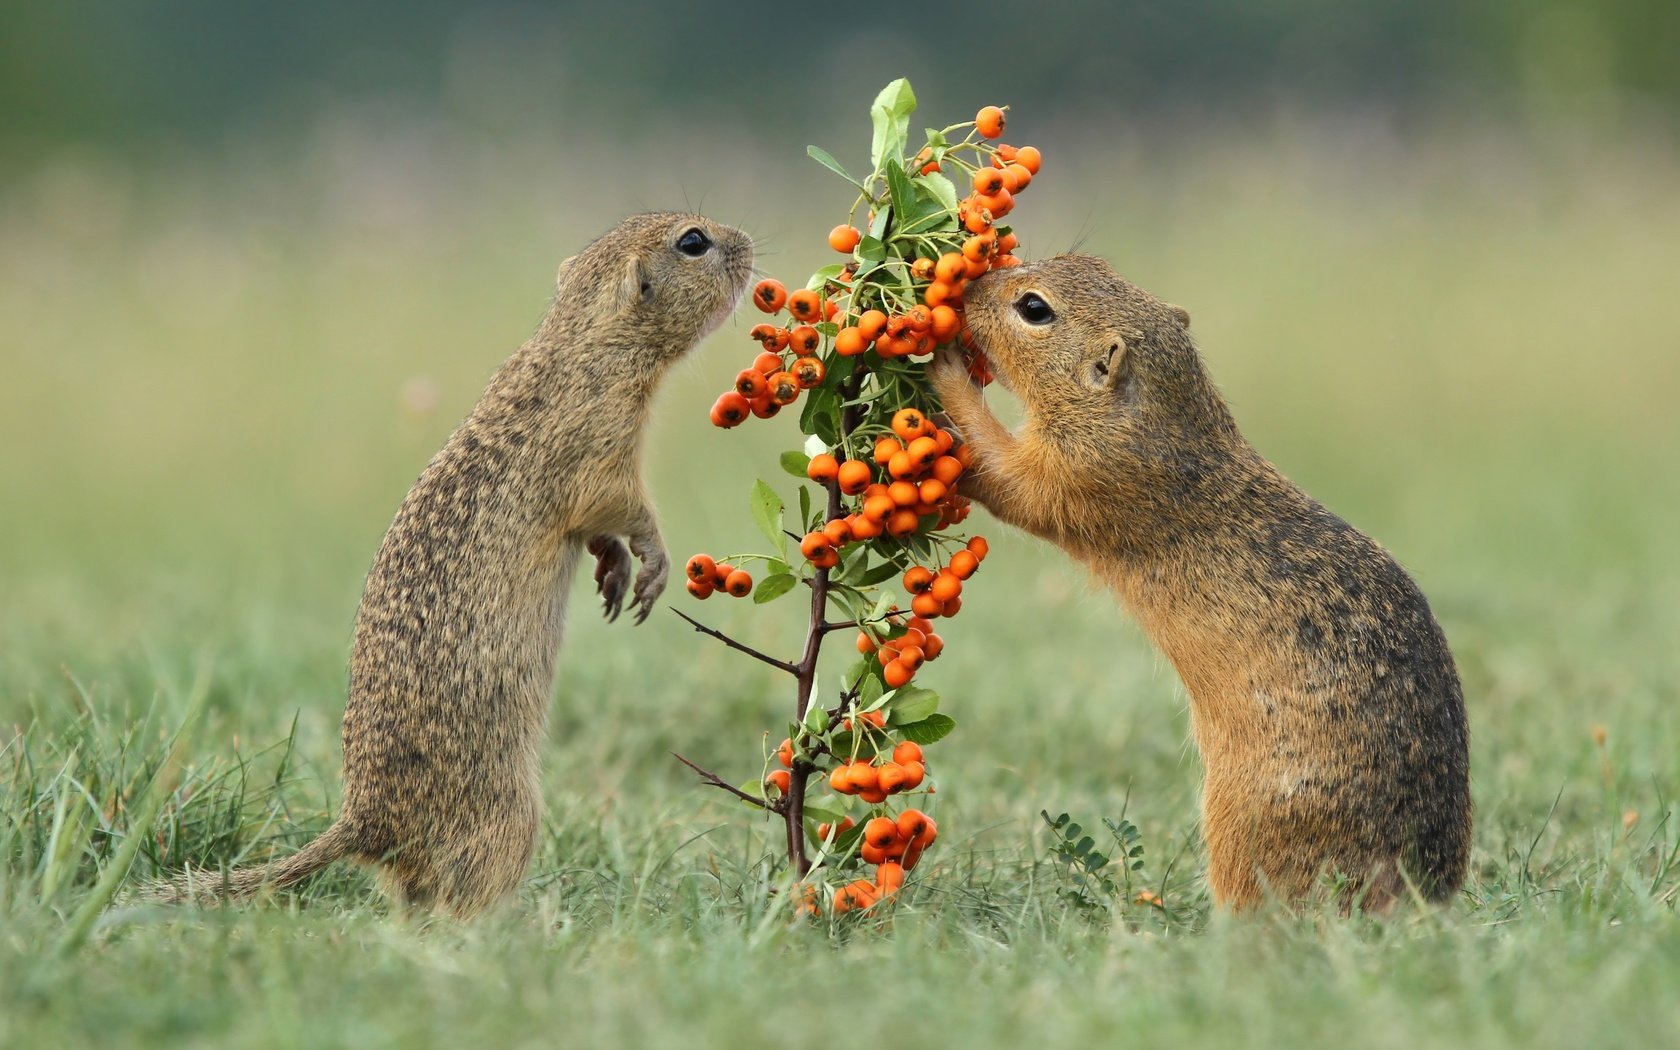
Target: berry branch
pixel 889 479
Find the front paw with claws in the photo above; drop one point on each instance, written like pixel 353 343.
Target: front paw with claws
pixel 612 573
pixel 656 569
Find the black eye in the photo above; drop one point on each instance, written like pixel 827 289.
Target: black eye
pixel 1034 310
pixel 694 243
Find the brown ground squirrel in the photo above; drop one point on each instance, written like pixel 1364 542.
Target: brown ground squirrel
pixel 461 619
pixel 1323 697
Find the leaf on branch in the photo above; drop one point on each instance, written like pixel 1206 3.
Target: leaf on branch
pixel 795 463
pixel 929 730
pixel 911 704
pixel 826 159
pixel 772 587
pixel 890 116
pixel 767 513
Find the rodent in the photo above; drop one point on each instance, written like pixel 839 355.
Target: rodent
pixel 461 618
pixel 1323 697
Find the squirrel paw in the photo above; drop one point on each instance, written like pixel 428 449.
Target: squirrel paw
pixel 612 573
pixel 948 372
pixel 650 582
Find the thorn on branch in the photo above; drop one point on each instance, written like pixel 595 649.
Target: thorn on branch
pixel 782 665
pixel 716 781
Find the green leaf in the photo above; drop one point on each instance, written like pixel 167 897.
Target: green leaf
pixel 879 574
pixel 804 506
pixel 816 814
pixel 935 138
pixel 870 691
pixel 816 719
pixel 818 416
pixel 826 159
pixel 772 587
pixel 824 275
pixel 890 117
pixel 929 730
pixel 767 513
pixel 912 704
pixel 902 193
pixel 878 225
pixel 795 463
pixel 755 788
pixel 938 188
pixel 871 250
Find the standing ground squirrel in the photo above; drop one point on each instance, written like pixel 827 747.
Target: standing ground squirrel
pixel 461 619
pixel 1323 697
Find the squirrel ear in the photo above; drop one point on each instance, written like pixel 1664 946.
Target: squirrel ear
pixel 1102 369
pixel 560 274
pixel 633 286
pixel 1181 313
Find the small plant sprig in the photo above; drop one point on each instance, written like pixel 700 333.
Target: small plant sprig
pixel 889 484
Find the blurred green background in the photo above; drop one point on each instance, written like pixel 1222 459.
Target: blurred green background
pixel 256 262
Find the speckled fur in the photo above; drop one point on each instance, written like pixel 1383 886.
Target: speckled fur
pixel 1323 697
pixel 461 619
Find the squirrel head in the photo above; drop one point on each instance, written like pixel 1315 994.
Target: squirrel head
pixel 655 283
pixel 1102 367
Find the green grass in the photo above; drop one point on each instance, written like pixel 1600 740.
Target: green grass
pixel 204 438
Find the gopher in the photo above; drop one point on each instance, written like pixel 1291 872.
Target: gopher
pixel 462 615
pixel 1323 698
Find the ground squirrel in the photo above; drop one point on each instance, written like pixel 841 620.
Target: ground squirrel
pixel 461 619
pixel 1323 697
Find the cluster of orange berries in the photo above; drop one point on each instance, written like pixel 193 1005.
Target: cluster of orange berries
pixel 893 846
pixel 706 575
pixel 773 382
pixel 873 781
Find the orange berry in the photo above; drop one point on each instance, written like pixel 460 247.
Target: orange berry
pixel 989 122
pixel 1008 242
pixel 872 854
pixel 749 383
pixel 769 295
pixel 864 528
pixel 808 372
pixel 988 181
pixel 908 751
pixel 853 476
pixel 938 294
pixel 872 323
pixel 855 896
pixel 918 580
pixel 923 451
pixel 878 719
pixel 901 466
pixel 975 219
pixel 730 410
pixel 885 446
pixel 911 656
pixel 933 647
pixel 838 531
pixel 1018 174
pixel 978 247
pixel 914 773
pixel 880 832
pixel 902 522
pixel 927 605
pixel 909 423
pixel 897 673
pixel 878 508
pixel 784 389
pixel 838 780
pixel 963 564
pixel 932 490
pixel 738 583
pixel 903 493
pixel 824 828
pixel 920 318
pixel 1028 157
pixel 950 608
pixel 766 362
pixel 813 543
pixel 769 336
pixel 922 269
pixel 823 468
pixel 950 267
pixel 947 469
pixel 874 796
pixel 804 340
pixel 700 567
pixel 862 777
pixel 865 643
pixel 850 342
pixel 763 407
pixel 912 824
pixel 892 779
pixel 721 573
pixel 830 309
pixel 701 589
pixel 784 754
pixel 805 305
pixel 916 623
pixel 979 547
pixel 781 780
pixel 844 238
pixel 944 322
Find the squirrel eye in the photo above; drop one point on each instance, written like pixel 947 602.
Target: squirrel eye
pixel 694 243
pixel 1034 310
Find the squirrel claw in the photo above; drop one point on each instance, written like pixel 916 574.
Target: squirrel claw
pixel 650 582
pixel 612 573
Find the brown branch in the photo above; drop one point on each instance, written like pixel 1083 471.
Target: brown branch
pixel 781 665
pixel 716 781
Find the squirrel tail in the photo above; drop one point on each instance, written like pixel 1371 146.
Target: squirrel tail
pixel 208 886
